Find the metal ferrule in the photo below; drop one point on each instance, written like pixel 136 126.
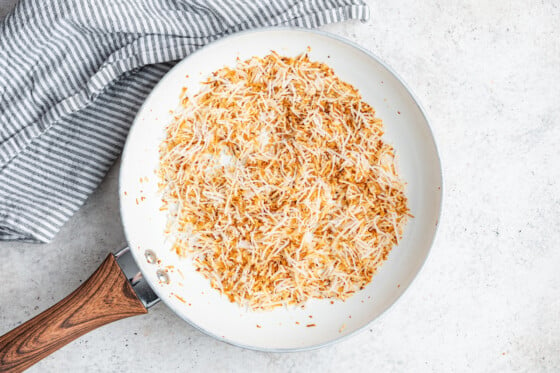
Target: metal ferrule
pixel 140 285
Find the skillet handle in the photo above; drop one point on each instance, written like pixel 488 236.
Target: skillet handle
pixel 105 297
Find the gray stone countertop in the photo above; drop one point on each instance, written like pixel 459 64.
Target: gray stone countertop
pixel 488 299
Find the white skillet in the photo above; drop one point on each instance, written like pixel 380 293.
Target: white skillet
pixel 282 329
pixel 173 279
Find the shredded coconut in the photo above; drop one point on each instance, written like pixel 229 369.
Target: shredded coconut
pixel 279 185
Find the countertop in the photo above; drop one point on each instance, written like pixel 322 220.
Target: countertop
pixel 487 300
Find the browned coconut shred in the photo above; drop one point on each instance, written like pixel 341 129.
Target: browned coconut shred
pixel 279 185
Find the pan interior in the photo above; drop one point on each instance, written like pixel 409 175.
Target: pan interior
pixel 320 322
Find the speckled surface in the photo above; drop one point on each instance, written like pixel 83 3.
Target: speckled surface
pixel 488 298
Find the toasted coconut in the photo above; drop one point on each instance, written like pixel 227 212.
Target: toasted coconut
pixel 279 185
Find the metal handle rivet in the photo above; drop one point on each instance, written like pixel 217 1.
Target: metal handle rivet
pixel 150 256
pixel 162 276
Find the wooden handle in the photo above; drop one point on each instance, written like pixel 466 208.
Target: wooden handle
pixel 105 297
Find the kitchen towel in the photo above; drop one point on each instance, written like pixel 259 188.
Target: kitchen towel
pixel 74 73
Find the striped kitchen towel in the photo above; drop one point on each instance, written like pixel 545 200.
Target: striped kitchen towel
pixel 73 74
